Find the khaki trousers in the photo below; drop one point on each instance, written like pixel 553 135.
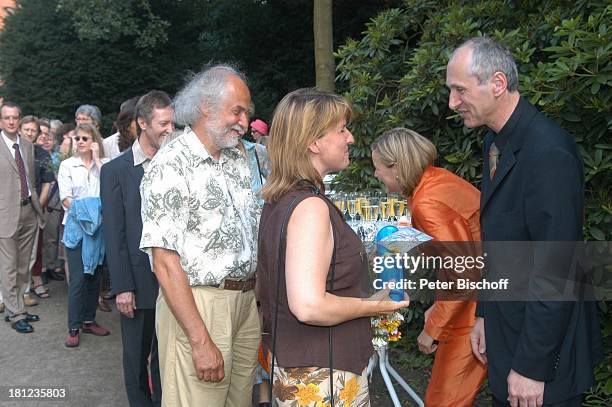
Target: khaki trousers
pixel 15 253
pixel 51 237
pixel 28 282
pixel 233 324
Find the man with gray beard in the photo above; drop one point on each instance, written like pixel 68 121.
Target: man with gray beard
pixel 200 223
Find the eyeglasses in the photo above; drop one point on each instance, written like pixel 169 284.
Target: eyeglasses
pixel 79 138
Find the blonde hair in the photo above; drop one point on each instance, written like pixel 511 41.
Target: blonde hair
pixel 93 132
pixel 299 120
pixel 410 152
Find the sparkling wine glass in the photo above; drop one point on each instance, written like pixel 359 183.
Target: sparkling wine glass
pixel 386 209
pixel 340 203
pixel 352 208
pixel 374 209
pixel 398 208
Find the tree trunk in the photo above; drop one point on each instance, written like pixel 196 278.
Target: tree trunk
pixel 323 40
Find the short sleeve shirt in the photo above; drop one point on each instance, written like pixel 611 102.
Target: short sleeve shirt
pixel 203 209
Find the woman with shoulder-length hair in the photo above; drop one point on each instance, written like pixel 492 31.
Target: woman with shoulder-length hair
pixel 447 208
pixel 79 188
pixel 311 292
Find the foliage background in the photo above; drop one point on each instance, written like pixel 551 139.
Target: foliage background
pixel 395 76
pixel 58 54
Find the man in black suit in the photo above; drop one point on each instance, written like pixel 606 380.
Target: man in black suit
pixel 539 352
pixel 132 280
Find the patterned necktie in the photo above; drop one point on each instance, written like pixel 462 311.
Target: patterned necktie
pixel 22 172
pixel 493 159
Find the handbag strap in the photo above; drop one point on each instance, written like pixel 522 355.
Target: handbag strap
pixel 330 284
pixel 258 167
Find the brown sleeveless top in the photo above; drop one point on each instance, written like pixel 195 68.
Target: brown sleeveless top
pixel 299 344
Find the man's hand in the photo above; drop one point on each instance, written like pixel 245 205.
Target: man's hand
pixel 126 303
pixel 208 362
pixel 524 392
pixel 477 339
pixel 426 343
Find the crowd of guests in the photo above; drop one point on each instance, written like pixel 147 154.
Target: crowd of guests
pixel 201 233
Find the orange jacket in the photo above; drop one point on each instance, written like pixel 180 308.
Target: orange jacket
pixel 447 208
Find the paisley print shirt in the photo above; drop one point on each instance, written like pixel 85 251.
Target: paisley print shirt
pixel 201 208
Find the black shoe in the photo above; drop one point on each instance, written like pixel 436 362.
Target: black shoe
pixel 22 326
pixel 28 318
pixel 53 275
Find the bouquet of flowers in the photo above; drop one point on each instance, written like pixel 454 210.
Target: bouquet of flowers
pixel 385 329
pixel 391 239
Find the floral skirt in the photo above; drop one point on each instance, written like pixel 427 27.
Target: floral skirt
pixel 309 386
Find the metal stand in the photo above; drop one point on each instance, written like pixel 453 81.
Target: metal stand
pixel 385 370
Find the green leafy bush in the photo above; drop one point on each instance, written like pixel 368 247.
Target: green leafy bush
pixel 395 76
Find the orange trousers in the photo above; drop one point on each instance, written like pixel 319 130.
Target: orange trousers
pixel 456 375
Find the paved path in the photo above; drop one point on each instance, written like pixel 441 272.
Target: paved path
pixel 91 374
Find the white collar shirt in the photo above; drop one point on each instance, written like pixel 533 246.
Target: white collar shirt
pixel 9 145
pixel 202 209
pixel 140 158
pixel 75 181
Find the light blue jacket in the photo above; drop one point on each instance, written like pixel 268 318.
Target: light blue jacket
pixel 84 224
pixel 259 164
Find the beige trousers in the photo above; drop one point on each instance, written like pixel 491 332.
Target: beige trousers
pixel 28 282
pixel 51 239
pixel 15 253
pixel 232 322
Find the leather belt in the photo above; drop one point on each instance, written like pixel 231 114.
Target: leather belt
pixel 236 285
pixel 26 201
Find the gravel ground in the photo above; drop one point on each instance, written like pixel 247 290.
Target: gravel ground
pixel 92 374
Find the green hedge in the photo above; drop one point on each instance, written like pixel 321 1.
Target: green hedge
pixel 395 76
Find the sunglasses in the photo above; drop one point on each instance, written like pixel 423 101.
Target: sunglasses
pixel 79 138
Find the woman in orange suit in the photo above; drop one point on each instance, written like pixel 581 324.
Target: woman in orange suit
pixel 445 207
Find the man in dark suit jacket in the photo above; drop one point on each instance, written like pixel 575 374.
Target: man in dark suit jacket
pixel 132 280
pixel 539 352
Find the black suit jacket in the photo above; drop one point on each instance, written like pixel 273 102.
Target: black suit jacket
pixel 129 267
pixel 537 195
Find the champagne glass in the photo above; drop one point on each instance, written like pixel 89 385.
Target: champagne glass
pixel 385 210
pixel 361 203
pixel 352 208
pixel 391 202
pixel 340 203
pixel 374 209
pixel 365 214
pixel 398 208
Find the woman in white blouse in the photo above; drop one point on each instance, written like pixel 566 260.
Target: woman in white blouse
pixel 79 177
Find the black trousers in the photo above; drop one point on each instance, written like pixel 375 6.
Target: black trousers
pixel 140 342
pixel 574 402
